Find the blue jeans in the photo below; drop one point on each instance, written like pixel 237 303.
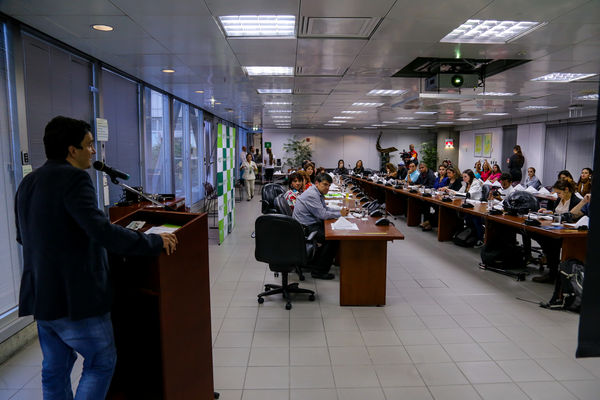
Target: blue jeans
pixel 92 338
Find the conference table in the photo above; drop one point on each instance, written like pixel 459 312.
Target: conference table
pixel 362 255
pixel 400 201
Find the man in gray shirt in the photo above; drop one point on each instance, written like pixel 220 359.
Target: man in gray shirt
pixel 310 210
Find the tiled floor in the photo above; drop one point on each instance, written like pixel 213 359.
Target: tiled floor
pixel 448 331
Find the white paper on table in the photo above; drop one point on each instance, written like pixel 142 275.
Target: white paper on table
pixel 583 221
pixel 161 229
pixel 487 183
pixel 343 224
pixel 474 202
pixel 531 190
pixel 543 190
pixel 519 188
pixel 496 184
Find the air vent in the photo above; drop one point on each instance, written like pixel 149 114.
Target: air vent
pixel 316 70
pixel 351 28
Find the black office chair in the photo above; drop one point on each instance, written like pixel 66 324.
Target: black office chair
pixel 282 206
pixel 280 242
pixel 485 192
pixel 268 194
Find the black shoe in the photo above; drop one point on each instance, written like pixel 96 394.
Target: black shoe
pixel 248 199
pixel 322 275
pixel 543 279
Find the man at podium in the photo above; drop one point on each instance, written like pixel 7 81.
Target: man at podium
pixel 65 282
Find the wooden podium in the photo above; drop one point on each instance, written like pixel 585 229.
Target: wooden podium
pixel 161 315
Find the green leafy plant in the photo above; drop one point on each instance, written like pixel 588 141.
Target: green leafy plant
pixel 296 151
pixel 430 154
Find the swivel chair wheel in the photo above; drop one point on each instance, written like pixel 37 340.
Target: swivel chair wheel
pixel 276 274
pixel 288 306
pixel 311 297
pixel 261 300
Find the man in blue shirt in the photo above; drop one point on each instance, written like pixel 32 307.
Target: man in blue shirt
pixel 311 211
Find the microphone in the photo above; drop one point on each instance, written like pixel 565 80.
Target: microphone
pixel 111 172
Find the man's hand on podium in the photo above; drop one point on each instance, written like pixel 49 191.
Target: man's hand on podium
pixel 169 242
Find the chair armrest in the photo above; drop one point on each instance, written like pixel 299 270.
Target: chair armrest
pixel 311 236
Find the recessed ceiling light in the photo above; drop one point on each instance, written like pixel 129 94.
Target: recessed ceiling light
pixel 496 114
pixel 259 25
pixel 561 77
pixel 168 70
pixel 537 108
pixel 588 97
pixel 412 127
pixel 378 125
pixel 427 126
pixel 368 127
pixel 337 121
pixel 343 117
pixel 331 124
pixel 468 119
pixel 490 31
pixel 280 111
pixel 354 112
pixel 217 102
pixel 389 122
pixel 496 94
pixel 277 103
pixel 367 104
pixel 199 91
pixel 426 112
pixel 405 118
pixel 102 28
pixel 269 71
pixel 386 92
pixel 444 122
pixel 274 91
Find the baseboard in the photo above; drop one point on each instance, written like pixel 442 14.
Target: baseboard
pixel 23 337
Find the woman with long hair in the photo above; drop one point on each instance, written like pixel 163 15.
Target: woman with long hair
pixel 477 169
pixel 584 185
pixel 311 171
pixel 358 168
pixel 515 164
pixel 341 169
pixel 454 179
pixel 486 170
pixel 391 171
pixel 295 189
pixel 496 173
pixel 269 166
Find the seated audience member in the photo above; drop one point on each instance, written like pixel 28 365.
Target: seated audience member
pixel 391 171
pixel 454 180
pixel 426 176
pixel 341 169
pixel 564 174
pixel 584 185
pixel 296 186
pixel 412 174
pixel 551 246
pixel 305 180
pixel 402 171
pixel 486 171
pixel 477 169
pixel 506 189
pixel 358 168
pixel 442 179
pixel 321 170
pixel 532 180
pixel 472 187
pixel 496 173
pixel 311 171
pixel 311 211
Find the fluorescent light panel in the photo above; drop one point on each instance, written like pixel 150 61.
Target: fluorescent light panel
pixel 405 118
pixel 337 121
pixel 426 112
pixel 359 104
pixel 386 92
pixel 496 94
pixel 490 31
pixel 274 91
pixel 259 25
pixel 537 108
pixel 354 112
pixel 496 114
pixel 588 97
pixel 444 122
pixel 561 77
pixel 269 71
pixel 378 125
pixel 468 119
pixel 280 111
pixel 390 122
pixel 277 103
pixel 343 117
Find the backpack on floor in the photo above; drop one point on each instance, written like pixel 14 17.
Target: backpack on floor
pixel 569 287
pixel 465 238
pixel 503 256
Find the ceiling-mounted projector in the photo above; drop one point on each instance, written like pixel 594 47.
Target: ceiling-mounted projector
pixel 451 81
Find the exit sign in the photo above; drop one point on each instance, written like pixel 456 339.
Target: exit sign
pixel 267 145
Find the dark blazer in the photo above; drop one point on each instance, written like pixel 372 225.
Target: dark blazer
pixel 65 237
pixel 426 179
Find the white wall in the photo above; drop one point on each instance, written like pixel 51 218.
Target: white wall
pixel 348 144
pixel 532 139
pixel 466 158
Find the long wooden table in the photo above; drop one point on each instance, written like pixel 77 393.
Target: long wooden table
pixel 363 260
pixel 403 202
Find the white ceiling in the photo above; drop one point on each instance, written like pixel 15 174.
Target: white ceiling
pixel 331 73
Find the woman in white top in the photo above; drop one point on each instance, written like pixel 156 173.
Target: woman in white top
pixel 250 170
pixel 470 185
pixel 269 166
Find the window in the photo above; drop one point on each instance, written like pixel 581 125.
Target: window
pixel 157 146
pixel 180 149
pixel 196 150
pixel 10 267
